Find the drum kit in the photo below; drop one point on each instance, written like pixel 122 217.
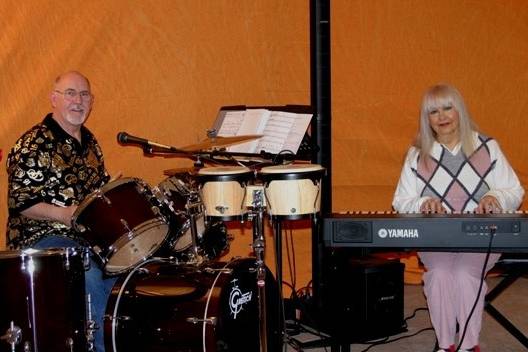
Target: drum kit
pixel 163 243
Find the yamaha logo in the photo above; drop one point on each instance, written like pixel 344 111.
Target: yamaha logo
pixel 398 233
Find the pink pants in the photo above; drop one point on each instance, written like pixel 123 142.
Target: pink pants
pixel 451 284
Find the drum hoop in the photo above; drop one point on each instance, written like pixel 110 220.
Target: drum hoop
pixel 120 294
pixel 33 252
pixel 241 178
pixel 314 176
pixel 127 237
pixel 185 227
pixel 209 295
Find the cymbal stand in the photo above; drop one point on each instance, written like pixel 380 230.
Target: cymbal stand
pixel 259 245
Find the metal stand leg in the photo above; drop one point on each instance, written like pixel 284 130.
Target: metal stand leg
pixel 511 277
pixel 258 247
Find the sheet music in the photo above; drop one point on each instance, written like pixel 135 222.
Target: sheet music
pixel 232 120
pixel 282 131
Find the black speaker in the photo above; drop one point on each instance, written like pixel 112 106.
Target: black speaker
pixel 362 298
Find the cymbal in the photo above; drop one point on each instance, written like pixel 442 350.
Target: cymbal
pixel 214 142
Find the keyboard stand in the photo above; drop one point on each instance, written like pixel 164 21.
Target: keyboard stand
pixel 513 270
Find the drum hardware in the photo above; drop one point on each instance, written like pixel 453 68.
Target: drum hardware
pixel 221 209
pixel 91 325
pixel 218 270
pixel 13 335
pixel 69 343
pixel 86 259
pixel 125 225
pixel 210 321
pixel 99 194
pixel 259 244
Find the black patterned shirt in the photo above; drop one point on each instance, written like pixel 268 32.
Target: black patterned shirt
pixel 48 165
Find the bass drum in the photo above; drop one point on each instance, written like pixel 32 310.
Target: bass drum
pixel 162 307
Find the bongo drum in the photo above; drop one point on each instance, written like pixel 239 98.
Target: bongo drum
pixel 292 191
pixel 223 191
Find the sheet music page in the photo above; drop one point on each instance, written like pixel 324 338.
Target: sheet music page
pixel 253 123
pixel 284 131
pixel 232 120
pixel 297 131
pixel 281 130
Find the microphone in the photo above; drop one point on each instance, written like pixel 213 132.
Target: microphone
pixel 125 138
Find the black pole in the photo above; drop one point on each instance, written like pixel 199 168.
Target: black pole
pixel 321 133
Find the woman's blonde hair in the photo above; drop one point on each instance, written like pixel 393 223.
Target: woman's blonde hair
pixel 436 97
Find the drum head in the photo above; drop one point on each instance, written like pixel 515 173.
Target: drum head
pixel 224 170
pixel 291 168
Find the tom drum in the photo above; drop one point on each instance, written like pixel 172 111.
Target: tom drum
pixel 123 223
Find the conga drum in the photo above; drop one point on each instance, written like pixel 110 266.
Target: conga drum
pixel 223 191
pixel 292 191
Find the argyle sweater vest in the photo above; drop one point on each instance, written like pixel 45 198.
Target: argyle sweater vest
pixel 458 181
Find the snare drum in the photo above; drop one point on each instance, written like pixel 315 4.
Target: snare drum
pixel 292 191
pixel 42 300
pixel 212 307
pixel 223 191
pixel 123 224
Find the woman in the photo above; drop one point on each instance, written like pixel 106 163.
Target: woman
pixel 453 168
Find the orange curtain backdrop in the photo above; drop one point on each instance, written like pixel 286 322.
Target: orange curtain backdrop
pixel 161 70
pixel 386 53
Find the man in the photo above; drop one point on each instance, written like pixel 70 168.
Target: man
pixel 51 169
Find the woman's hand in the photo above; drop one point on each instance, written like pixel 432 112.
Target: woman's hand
pixel 432 205
pixel 488 205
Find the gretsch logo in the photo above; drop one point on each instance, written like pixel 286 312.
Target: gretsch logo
pixel 237 299
pixel 398 233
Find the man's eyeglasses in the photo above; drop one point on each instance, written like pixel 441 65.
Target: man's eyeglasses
pixel 71 94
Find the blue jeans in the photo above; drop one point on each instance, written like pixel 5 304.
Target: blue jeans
pixel 97 285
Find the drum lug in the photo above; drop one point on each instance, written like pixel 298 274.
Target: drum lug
pixel 221 209
pixel 220 270
pixel 12 335
pixel 210 321
pixel 125 225
pixel 100 194
pixel 27 346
